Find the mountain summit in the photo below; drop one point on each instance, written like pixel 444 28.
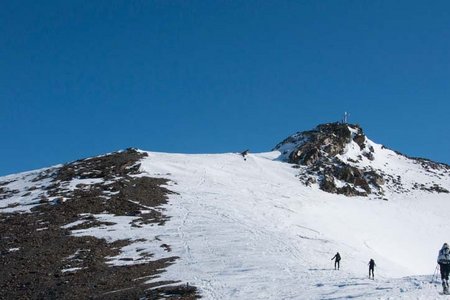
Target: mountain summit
pixel 340 159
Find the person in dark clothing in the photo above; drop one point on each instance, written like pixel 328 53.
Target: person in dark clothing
pixel 371 268
pixel 337 259
pixel 245 153
pixel 444 265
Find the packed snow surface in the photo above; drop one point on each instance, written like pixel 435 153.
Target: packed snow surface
pixel 247 229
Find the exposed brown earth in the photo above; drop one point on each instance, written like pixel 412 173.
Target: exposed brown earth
pixel 41 260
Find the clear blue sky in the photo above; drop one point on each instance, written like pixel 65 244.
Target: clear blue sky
pixel 81 78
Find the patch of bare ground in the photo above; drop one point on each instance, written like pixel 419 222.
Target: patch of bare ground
pixel 39 259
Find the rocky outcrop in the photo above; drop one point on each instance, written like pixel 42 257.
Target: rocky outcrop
pixel 319 149
pixel 326 140
pixel 340 159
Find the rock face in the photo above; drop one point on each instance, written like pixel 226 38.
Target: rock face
pixel 341 160
pixel 326 140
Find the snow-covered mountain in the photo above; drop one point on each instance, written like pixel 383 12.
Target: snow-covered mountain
pixel 341 159
pixel 137 224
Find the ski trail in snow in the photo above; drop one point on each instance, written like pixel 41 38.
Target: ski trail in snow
pixel 247 227
pixel 249 230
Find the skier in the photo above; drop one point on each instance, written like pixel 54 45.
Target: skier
pixel 371 268
pixel 337 258
pixel 444 265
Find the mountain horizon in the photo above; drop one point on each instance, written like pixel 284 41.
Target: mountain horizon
pixel 148 225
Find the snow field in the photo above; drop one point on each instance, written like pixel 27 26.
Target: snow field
pixel 250 230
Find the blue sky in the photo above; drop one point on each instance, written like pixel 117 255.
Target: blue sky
pixel 82 78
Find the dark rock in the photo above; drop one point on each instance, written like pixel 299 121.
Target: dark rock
pixel 318 150
pixel 327 184
pixel 369 155
pixel 360 140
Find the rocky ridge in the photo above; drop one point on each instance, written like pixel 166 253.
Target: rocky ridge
pixel 44 253
pixel 340 159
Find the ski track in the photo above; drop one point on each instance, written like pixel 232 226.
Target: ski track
pixel 242 231
pixel 250 230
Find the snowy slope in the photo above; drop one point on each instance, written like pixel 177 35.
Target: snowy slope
pixel 249 229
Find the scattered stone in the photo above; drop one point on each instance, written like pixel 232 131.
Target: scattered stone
pixel 37 271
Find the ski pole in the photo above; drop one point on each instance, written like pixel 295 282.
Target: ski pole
pixel 435 270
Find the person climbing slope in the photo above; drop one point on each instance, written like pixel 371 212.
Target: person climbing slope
pixel 444 264
pixel 371 268
pixel 337 259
